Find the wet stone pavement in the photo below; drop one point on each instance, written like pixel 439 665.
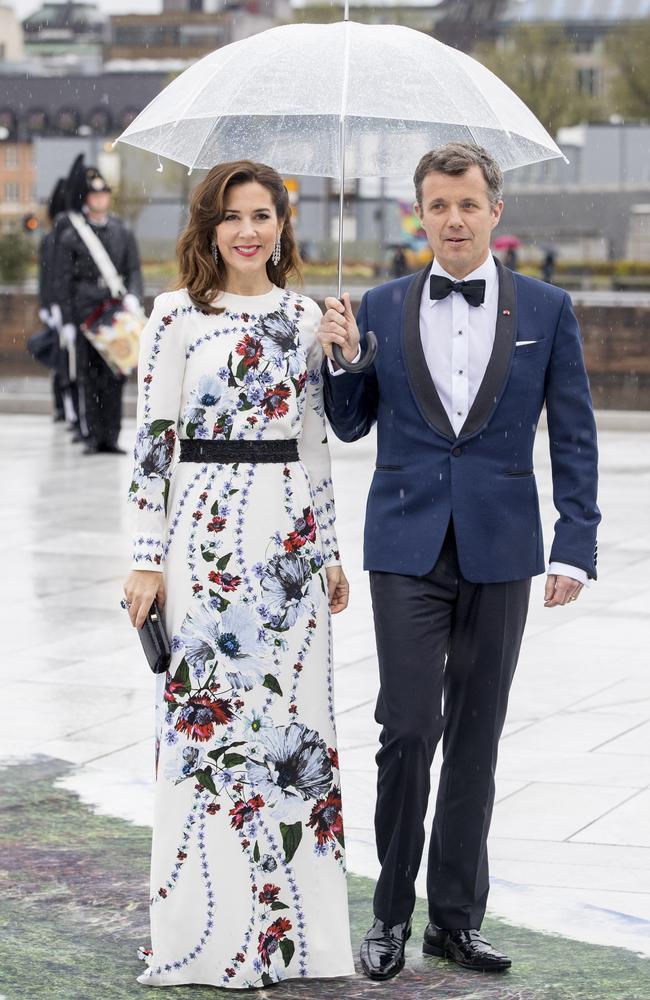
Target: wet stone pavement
pixel 570 839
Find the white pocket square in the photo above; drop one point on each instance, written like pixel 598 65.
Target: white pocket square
pixel 523 343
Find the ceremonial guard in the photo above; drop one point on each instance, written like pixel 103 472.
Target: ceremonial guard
pixel 97 269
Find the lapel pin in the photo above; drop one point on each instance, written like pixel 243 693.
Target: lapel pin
pixel 506 312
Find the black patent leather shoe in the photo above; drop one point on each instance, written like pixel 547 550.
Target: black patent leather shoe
pixel 466 948
pixel 382 949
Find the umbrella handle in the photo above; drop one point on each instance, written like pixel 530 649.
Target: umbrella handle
pixel 365 361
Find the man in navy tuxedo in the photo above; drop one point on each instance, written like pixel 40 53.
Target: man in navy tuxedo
pixel 469 353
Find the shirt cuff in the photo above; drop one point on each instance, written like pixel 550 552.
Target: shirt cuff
pixel 340 371
pixel 563 569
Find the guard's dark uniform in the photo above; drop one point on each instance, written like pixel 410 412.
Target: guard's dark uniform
pixel 81 289
pixel 47 288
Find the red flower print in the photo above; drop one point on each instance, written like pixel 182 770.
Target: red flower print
pixel 239 703
pixel 148 379
pixel 197 515
pixel 269 893
pixel 181 855
pixel 245 844
pixel 293 709
pixel 156 559
pixel 217 523
pixel 269 942
pixel 245 317
pixel 230 972
pixel 196 587
pixel 142 503
pixel 217 429
pixel 301 381
pixel 305 531
pixel 274 402
pixel 162 893
pixel 171 689
pixel 244 811
pixel 239 957
pixel 333 756
pixel 199 716
pixel 311 623
pixel 251 350
pixel 251 420
pixel 297 667
pixel 326 817
pixel 167 320
pixel 213 808
pixel 204 497
pixel 226 581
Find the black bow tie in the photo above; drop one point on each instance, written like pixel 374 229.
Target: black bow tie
pixel 473 291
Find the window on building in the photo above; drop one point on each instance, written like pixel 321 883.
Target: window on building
pixel 11 157
pixel 12 191
pixel 100 121
pixel 36 122
pixel 7 125
pixel 67 121
pixel 589 81
pixel 126 117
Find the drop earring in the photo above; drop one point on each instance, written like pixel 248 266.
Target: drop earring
pixel 277 252
pixel 214 250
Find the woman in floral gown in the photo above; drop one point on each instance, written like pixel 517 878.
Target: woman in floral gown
pixel 237 539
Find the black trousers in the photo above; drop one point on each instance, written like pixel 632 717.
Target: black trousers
pixel 440 637
pixel 99 396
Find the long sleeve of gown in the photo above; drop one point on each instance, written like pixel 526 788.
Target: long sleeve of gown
pixel 315 456
pixel 160 377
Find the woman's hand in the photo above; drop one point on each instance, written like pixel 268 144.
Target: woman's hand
pixel 141 588
pixel 338 589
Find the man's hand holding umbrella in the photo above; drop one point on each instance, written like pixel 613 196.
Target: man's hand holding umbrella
pixel 338 326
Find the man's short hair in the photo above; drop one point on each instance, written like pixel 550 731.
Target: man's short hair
pixel 456 158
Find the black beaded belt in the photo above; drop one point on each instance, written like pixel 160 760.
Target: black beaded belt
pixel 229 452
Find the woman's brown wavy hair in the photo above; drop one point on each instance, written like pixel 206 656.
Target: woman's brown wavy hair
pixel 198 272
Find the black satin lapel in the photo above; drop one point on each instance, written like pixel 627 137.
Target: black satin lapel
pixel 498 367
pixel 422 385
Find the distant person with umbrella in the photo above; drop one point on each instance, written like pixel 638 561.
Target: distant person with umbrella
pixel 511 245
pixel 470 352
pixel 97 262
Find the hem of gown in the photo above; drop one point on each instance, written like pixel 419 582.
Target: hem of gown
pixel 163 981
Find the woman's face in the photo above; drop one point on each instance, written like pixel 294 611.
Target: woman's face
pixel 248 231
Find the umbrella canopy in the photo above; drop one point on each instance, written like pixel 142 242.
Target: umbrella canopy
pixel 280 97
pixel 507 242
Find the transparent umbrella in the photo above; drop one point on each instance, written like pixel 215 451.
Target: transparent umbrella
pixel 337 100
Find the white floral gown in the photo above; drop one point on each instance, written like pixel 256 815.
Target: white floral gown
pixel 247 878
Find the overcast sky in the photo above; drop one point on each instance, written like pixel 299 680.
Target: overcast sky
pixel 25 7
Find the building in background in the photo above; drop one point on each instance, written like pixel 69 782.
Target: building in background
pixel 12 48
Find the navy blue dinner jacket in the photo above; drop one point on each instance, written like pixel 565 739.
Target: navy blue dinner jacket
pixel 483 478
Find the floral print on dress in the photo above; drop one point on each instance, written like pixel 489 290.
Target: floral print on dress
pixel 248 785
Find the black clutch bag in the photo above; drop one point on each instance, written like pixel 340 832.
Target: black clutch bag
pixel 154 640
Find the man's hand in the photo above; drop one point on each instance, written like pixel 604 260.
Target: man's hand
pixel 560 590
pixel 338 589
pixel 141 588
pixel 338 326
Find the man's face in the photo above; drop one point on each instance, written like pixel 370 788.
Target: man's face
pixel 458 219
pixel 99 202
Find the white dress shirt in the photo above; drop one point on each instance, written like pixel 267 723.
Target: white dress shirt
pixel 457 340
